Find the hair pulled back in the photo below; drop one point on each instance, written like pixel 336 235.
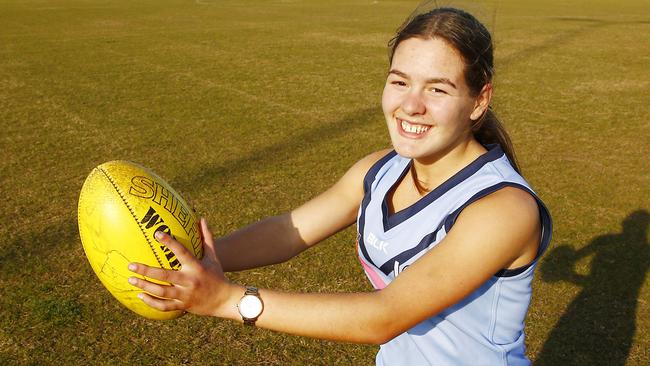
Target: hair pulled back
pixel 472 40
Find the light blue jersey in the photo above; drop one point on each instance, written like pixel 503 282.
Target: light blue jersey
pixel 485 328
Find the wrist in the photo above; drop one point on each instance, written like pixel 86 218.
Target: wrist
pixel 227 308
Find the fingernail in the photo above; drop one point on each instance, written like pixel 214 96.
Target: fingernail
pixel 131 267
pixel 140 296
pixel 132 280
pixel 158 235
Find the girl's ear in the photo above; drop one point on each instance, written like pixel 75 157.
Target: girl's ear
pixel 482 102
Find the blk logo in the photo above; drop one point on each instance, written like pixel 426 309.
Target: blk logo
pixel 374 242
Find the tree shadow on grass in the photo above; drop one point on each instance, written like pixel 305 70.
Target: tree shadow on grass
pixel 29 248
pixel 48 258
pixel 216 174
pixel 598 326
pixel 562 37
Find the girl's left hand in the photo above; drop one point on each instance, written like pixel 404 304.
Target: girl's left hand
pixel 199 287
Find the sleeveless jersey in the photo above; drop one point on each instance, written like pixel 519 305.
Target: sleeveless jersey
pixel 485 328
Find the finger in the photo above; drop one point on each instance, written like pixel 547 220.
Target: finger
pixel 183 255
pixel 161 304
pixel 164 291
pixel 208 239
pixel 160 274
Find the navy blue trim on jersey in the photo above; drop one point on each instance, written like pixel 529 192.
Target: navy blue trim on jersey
pixel 367 184
pixel 406 255
pixel 392 220
pixel 547 229
pixel 374 169
pixel 544 214
pixel 384 205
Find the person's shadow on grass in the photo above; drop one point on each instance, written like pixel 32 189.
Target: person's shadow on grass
pixel 598 326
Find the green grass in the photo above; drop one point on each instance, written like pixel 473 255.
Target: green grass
pixel 251 108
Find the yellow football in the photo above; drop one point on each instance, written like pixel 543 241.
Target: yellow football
pixel 121 206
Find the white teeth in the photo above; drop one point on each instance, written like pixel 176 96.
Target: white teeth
pixel 416 129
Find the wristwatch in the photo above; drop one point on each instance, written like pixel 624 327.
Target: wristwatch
pixel 250 306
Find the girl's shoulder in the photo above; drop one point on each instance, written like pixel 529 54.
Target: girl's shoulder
pixel 363 166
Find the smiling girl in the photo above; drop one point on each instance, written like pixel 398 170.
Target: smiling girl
pixel 449 233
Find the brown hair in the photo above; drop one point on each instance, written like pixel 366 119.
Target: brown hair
pixel 466 34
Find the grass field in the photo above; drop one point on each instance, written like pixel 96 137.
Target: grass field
pixel 250 108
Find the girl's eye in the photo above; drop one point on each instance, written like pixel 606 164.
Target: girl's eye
pixel 398 83
pixel 436 91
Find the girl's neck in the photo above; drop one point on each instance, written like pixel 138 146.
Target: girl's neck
pixel 427 174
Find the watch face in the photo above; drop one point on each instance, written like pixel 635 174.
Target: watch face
pixel 250 306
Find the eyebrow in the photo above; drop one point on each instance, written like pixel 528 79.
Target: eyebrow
pixel 428 81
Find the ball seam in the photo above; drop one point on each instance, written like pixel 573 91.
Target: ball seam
pixel 135 217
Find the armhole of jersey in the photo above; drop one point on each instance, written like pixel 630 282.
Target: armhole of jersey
pixel 374 169
pixel 368 179
pixel 544 216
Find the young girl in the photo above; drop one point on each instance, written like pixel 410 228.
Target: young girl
pixel 448 232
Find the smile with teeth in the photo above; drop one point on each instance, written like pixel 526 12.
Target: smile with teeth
pixel 414 128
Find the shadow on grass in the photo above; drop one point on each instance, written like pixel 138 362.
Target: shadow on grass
pixel 49 267
pixel 555 41
pixel 562 37
pixel 44 267
pixel 598 326
pixel 211 175
pixel 39 251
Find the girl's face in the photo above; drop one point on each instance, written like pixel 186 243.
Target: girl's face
pixel 426 102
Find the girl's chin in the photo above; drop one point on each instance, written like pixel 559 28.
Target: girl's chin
pixel 419 150
pixel 408 151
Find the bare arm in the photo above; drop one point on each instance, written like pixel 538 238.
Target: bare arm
pixel 280 238
pixel 500 230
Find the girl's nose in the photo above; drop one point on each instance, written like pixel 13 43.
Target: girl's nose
pixel 413 104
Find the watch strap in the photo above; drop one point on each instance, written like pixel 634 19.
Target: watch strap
pixel 252 290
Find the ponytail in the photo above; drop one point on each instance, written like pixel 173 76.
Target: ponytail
pixel 489 130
